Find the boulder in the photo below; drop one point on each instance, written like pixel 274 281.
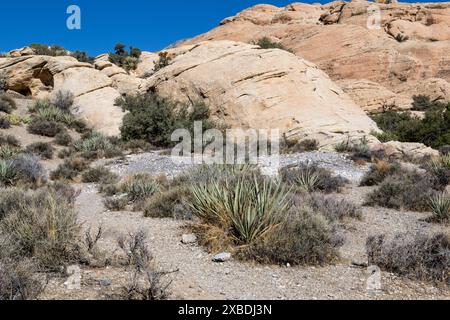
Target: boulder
pixel 247 87
pixel 402 150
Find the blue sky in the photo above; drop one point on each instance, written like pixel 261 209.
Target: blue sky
pixel 147 24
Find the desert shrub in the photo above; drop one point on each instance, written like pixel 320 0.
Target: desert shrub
pixel 440 170
pixel 266 43
pixel 45 128
pixel 171 203
pixel 302 238
pixel 163 61
pixel 63 139
pixel 3 82
pixel 410 190
pixel 55 114
pixel 70 169
pixel 154 119
pixel 64 191
pixel 42 149
pixel 8 173
pixel 380 171
pixel 419 256
pixel 311 178
pixel 245 204
pixel 433 130
pixel 96 145
pixel 18 280
pixel 422 103
pixel 115 203
pixel 359 150
pixel 125 59
pixel 46 50
pixel 9 140
pixel 440 207
pixel 29 169
pixel 293 145
pixel 334 209
pixel 98 174
pixel 83 56
pixel 63 100
pixel 7 104
pixel 4 123
pixel 44 227
pixel 137 146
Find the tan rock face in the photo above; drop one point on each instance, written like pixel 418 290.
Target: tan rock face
pixel 248 87
pixel 40 76
pixel 393 45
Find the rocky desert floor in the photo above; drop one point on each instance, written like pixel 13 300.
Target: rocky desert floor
pixel 201 278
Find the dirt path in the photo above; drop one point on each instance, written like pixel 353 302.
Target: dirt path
pixel 200 278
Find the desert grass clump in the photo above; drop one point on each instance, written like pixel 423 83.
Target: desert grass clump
pixel 115 203
pixel 44 227
pixel 379 171
pixel 70 169
pixel 41 149
pixel 7 104
pixel 139 188
pixel 302 238
pixel 98 174
pixel 294 145
pixel 311 178
pixel 96 146
pixel 334 209
pixel 418 256
pixel 410 190
pixel 8 152
pixel 19 280
pixel 246 205
pixel 440 207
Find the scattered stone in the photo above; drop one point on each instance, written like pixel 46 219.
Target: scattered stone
pixel 105 282
pixel 222 257
pixel 189 238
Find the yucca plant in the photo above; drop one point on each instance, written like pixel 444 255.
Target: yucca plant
pixel 307 179
pixel 247 205
pixel 140 187
pixel 7 152
pixel 52 113
pixel 440 206
pixel 7 172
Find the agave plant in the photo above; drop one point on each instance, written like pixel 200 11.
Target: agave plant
pixel 307 179
pixel 52 113
pixel 95 142
pixel 7 172
pixel 440 206
pixel 140 187
pixel 248 205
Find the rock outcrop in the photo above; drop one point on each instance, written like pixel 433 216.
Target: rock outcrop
pixel 40 76
pixel 248 87
pixel 396 45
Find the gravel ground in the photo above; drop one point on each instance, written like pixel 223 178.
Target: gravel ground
pixel 200 278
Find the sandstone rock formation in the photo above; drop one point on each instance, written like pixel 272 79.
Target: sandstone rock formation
pixel 396 46
pixel 40 76
pixel 248 87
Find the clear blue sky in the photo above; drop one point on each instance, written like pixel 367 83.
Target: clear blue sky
pixel 147 24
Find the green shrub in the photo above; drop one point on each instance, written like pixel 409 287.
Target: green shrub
pixel 42 149
pixel 83 56
pixel 266 43
pixel 7 104
pixel 246 204
pixel 440 207
pixel 410 190
pixel 18 280
pixel 163 61
pixel 311 178
pixel 137 146
pixel 379 171
pixel 63 139
pixel 153 119
pixel 171 203
pixel 70 169
pixel 422 103
pixel 45 128
pixel 44 227
pixel 98 174
pixel 46 50
pixel 295 146
pixel 302 238
pixel 419 256
pixel 7 152
pixel 433 130
pixel 125 59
